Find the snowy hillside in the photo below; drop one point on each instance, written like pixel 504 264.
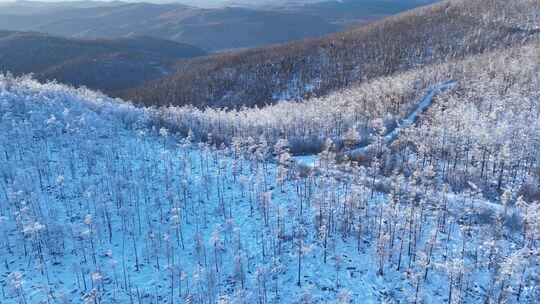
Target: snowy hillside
pixel 100 205
pixel 97 207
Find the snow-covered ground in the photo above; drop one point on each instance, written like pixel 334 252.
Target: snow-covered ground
pixel 97 205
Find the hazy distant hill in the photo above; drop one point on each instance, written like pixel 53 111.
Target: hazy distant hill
pixel 211 29
pixel 347 12
pixel 236 26
pixel 101 64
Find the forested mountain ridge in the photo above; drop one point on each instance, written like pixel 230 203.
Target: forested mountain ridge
pixel 102 64
pixel 450 30
pixel 505 76
pixel 105 202
pixel 121 69
pixel 494 96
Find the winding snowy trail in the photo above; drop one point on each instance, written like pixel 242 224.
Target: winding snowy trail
pixel 411 119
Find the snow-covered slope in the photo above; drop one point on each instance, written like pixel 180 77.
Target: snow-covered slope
pixel 422 105
pixel 98 205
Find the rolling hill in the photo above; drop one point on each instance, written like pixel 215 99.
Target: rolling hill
pixel 107 65
pixel 90 28
pixel 210 29
pixel 315 67
pixel 213 29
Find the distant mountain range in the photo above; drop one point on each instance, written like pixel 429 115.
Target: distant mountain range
pixel 238 25
pixel 118 46
pixel 102 64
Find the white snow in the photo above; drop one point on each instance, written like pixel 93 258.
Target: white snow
pixel 99 204
pixel 410 120
pixel 71 157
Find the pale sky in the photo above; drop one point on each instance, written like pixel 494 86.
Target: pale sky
pixel 214 2
pixel 207 3
pixel 202 2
